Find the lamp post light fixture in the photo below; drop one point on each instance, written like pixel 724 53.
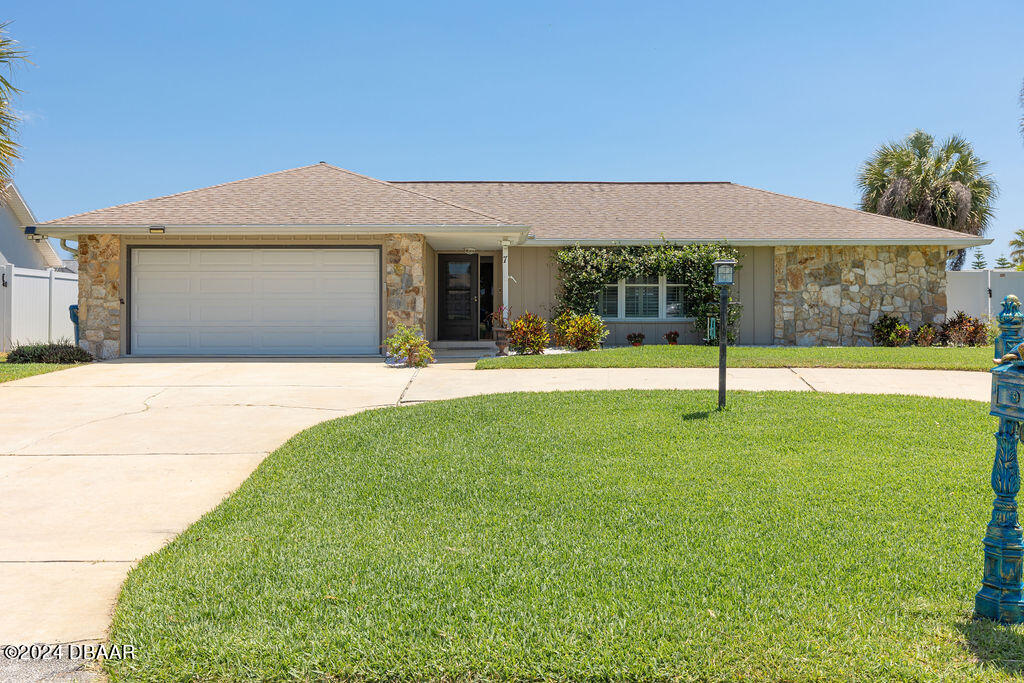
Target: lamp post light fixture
pixel 725 276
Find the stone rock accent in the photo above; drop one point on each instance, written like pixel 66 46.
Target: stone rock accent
pixel 830 295
pixel 99 294
pixel 405 281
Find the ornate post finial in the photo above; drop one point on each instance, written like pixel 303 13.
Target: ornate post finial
pixel 1011 320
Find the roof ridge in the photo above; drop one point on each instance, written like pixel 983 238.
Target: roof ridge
pixel 184 192
pixel 859 212
pixel 418 194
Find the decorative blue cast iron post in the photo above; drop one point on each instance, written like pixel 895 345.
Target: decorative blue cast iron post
pixel 1001 597
pixel 1010 323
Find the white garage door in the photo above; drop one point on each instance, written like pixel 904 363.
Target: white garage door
pixel 269 301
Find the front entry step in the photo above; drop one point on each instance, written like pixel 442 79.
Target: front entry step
pixel 484 345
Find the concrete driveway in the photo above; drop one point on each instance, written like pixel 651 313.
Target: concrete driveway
pixel 105 463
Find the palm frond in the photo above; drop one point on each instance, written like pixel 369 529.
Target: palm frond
pixel 10 55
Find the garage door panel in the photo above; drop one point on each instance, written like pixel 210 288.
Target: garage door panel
pixel 349 257
pixel 341 312
pixel 242 284
pixel 287 313
pixel 253 301
pixel 164 284
pixel 280 283
pixel 225 257
pixel 163 257
pixel 166 339
pixel 289 257
pixel 166 312
pixel 366 285
pixel 224 313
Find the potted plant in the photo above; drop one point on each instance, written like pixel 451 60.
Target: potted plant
pixel 500 321
pixel 672 337
pixel 635 338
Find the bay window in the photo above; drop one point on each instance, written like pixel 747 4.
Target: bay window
pixel 645 298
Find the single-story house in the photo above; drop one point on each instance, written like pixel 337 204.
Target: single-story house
pixel 318 260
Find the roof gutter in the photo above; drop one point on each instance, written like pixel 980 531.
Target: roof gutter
pixel 70 231
pixel 953 242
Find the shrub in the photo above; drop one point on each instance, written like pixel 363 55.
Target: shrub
pixel 925 335
pixel 672 336
pixel 582 332
pixel 560 327
pixel 406 346
pixel 528 334
pixel 635 337
pixel 963 330
pixel 901 335
pixel 889 330
pixel 58 352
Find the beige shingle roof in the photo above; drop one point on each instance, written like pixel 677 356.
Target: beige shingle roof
pixel 319 194
pixel 325 195
pixel 677 211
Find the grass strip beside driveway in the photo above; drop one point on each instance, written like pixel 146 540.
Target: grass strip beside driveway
pixel 581 535
pixel 686 356
pixel 13 371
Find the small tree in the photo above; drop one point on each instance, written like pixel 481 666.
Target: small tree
pixel 1017 247
pixel 979 262
pixel 1003 262
pixel 942 184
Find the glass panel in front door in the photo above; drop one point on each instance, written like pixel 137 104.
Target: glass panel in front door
pixel 458 290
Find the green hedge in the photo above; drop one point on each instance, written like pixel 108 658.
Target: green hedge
pixel 59 352
pixel 584 270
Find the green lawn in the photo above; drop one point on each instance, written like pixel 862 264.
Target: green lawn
pixel 685 356
pixel 12 371
pixel 627 535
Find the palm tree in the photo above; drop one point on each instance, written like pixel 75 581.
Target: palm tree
pixel 979 262
pixel 1017 247
pixel 942 185
pixel 10 55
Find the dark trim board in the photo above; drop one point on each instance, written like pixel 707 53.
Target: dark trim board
pixel 381 293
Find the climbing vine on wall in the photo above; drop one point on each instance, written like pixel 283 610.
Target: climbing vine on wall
pixel 584 270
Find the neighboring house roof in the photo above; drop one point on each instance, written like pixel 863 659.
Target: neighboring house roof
pixel 700 211
pixel 319 194
pixel 11 199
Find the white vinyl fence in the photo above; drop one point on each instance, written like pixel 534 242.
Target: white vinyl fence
pixel 34 305
pixel 980 292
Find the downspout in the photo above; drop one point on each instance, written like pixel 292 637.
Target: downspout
pixel 65 247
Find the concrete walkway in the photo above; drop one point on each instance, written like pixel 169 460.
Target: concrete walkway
pixel 106 463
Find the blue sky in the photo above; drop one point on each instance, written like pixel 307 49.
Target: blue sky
pixel 129 100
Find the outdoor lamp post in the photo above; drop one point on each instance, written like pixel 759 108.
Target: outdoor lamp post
pixel 725 275
pixel 1001 597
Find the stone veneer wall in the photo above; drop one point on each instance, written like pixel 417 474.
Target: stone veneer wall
pixel 405 281
pixel 99 294
pixel 830 295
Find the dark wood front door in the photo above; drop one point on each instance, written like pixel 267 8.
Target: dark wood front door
pixel 458 298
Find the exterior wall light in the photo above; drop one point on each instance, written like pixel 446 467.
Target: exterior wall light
pixel 157 230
